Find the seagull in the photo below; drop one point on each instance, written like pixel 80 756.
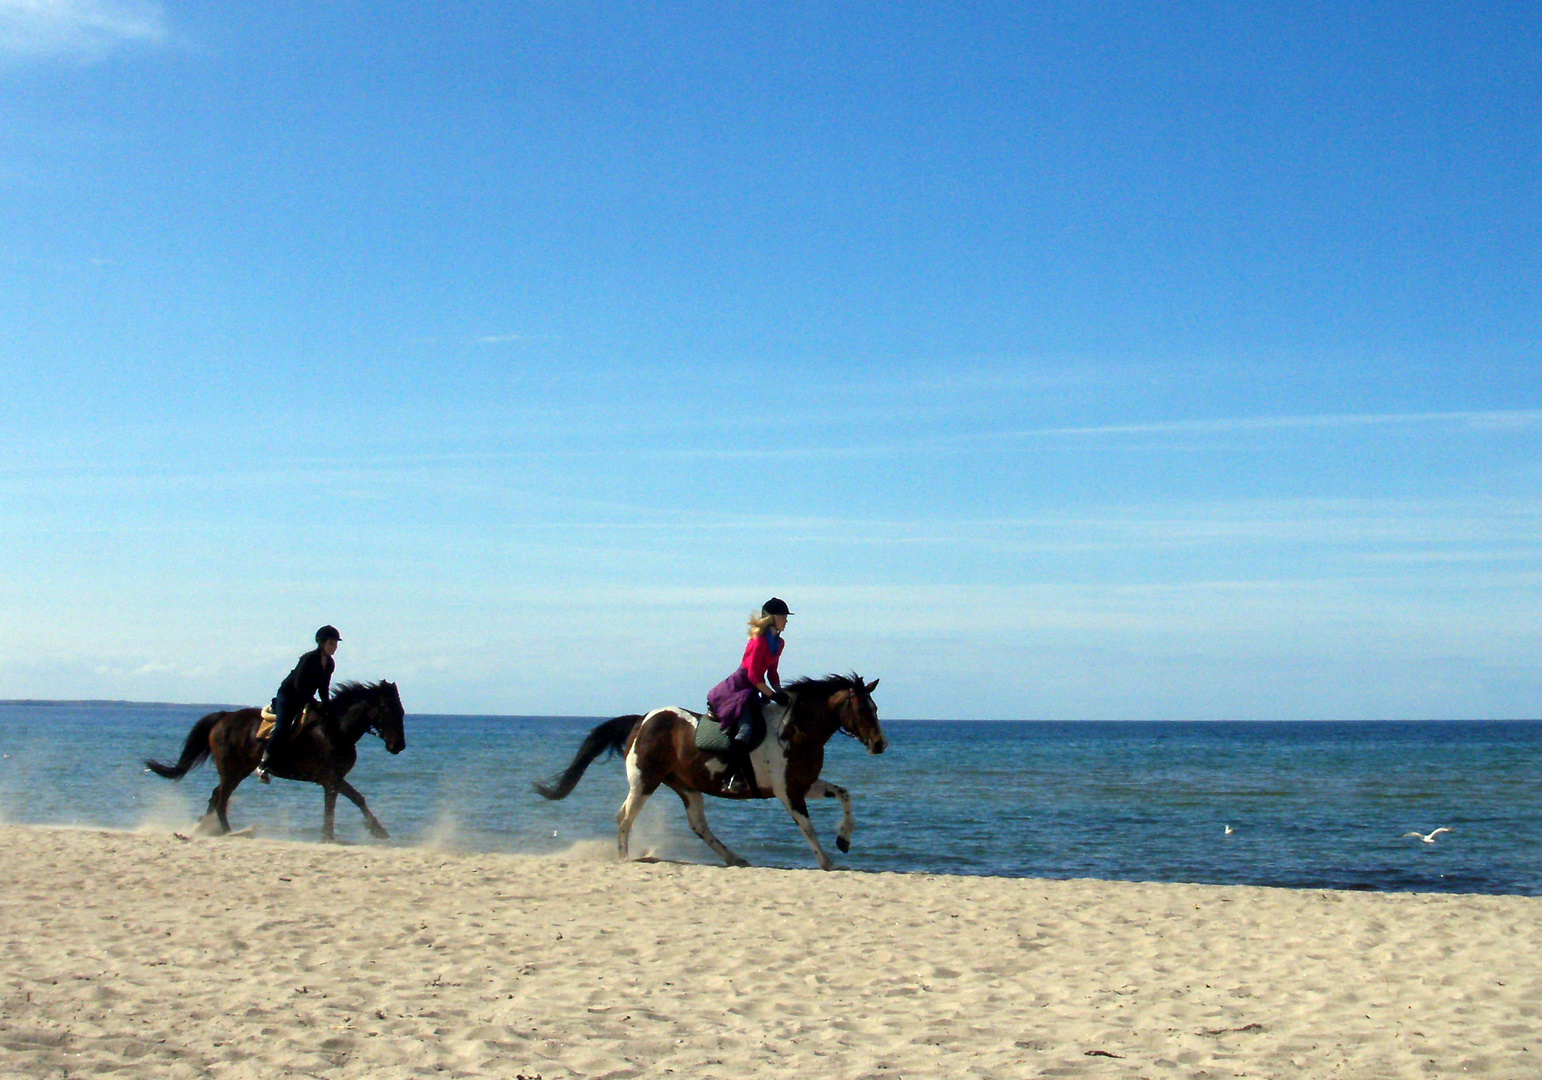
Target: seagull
pixel 1427 838
pixel 1229 829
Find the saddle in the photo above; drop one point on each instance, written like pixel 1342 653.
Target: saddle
pixel 307 717
pixel 711 736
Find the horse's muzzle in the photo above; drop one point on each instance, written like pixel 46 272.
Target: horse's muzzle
pixel 878 745
pixel 396 748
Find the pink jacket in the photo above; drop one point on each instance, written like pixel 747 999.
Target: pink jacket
pixel 760 658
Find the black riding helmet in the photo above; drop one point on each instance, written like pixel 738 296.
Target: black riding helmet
pixel 774 606
pixel 328 633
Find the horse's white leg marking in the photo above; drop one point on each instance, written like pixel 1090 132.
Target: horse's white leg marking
pixel 696 814
pixel 635 798
pixel 823 789
pixel 799 811
pixel 770 761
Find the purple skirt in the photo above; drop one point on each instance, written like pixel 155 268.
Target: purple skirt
pixel 727 699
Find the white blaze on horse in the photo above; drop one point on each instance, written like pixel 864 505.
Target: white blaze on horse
pixel 661 748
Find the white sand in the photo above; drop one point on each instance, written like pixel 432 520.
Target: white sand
pixel 146 955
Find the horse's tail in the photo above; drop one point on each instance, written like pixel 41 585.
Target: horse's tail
pixel 195 751
pixel 611 735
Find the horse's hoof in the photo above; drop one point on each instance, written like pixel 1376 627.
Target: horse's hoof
pixel 736 861
pixel 843 843
pixel 379 833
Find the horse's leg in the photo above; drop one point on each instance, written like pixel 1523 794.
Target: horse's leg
pixel 639 787
pixel 628 814
pixel 377 830
pixel 224 806
pixel 214 813
pixel 231 775
pixel 823 789
pixel 219 801
pixel 797 806
pixel 330 817
pixel 696 814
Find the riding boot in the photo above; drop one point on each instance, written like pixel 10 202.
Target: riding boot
pixel 262 767
pixel 742 778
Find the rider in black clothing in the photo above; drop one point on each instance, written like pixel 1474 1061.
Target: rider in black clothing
pixel 311 678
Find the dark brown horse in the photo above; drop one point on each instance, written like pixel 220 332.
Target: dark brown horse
pixel 322 752
pixel 660 748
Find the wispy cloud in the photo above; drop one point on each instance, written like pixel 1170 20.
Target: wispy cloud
pixel 518 339
pixel 79 30
pixel 1497 420
pixel 1492 422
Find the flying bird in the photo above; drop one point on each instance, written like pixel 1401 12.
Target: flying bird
pixel 1428 838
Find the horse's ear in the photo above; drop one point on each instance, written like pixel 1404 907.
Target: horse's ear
pixel 870 687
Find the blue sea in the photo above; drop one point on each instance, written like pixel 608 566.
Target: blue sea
pixel 1312 804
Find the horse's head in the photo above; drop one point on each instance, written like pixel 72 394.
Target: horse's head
pixel 859 716
pixel 388 719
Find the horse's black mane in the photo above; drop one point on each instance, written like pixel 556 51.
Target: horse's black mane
pixel 345 695
pixel 830 684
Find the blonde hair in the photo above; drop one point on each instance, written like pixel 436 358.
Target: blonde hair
pixel 759 623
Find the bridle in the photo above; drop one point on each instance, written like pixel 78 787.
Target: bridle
pixel 845 727
pixel 377 716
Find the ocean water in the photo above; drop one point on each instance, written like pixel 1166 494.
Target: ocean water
pixel 1312 805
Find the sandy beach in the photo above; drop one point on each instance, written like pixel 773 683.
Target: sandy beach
pixel 147 954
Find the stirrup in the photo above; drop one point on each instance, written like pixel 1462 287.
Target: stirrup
pixel 262 774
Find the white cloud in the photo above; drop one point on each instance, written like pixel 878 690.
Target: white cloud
pixel 80 30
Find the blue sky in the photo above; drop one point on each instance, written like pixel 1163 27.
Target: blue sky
pixel 1127 361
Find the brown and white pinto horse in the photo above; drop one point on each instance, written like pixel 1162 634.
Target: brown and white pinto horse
pixel 660 748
